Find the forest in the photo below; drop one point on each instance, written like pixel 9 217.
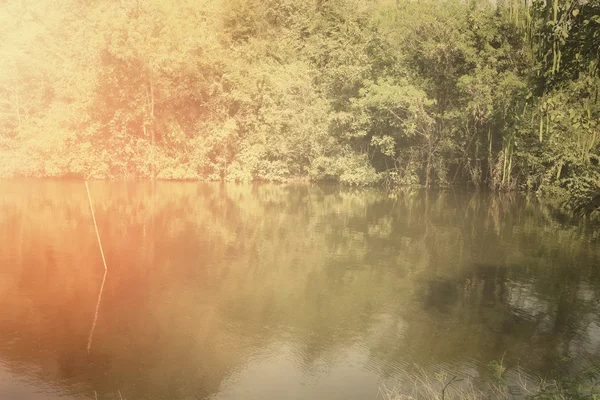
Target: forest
pixel 493 94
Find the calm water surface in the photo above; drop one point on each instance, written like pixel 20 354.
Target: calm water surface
pixel 282 292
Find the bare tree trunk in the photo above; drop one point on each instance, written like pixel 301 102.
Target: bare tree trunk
pixel 150 105
pixel 428 167
pixel 427 174
pixel 18 104
pixel 153 124
pixel 152 101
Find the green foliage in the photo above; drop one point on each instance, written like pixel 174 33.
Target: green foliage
pixel 496 372
pixel 584 386
pixel 563 157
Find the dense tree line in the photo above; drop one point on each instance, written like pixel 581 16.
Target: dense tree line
pixel 361 92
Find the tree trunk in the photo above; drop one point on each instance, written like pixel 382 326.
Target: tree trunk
pixel 153 125
pixel 428 167
pixel 18 103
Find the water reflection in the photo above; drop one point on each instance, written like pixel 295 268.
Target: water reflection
pixel 263 291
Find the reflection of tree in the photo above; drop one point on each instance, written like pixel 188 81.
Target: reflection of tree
pixel 230 269
pixel 93 328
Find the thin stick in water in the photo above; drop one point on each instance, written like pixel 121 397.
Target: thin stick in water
pixel 89 344
pixel 95 225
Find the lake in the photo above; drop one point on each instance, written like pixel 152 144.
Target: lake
pixel 259 291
